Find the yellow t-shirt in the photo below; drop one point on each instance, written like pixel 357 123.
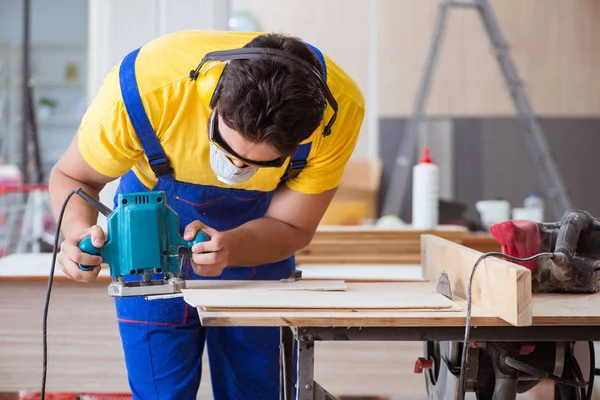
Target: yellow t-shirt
pixel 178 110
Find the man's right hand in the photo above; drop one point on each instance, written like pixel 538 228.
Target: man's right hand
pixel 70 255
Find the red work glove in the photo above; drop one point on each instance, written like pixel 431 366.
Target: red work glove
pixel 518 239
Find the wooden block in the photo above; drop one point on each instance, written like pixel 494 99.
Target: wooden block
pixel 500 287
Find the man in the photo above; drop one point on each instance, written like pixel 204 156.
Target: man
pixel 249 150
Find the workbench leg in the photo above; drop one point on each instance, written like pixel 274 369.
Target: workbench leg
pixel 306 370
pixel 286 371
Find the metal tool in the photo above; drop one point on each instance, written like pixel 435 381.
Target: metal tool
pixel 443 285
pixel 575 241
pixel 501 370
pixel 293 276
pixel 143 250
pixel 533 135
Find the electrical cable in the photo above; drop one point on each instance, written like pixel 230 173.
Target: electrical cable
pixel 590 384
pixel 465 348
pixel 92 202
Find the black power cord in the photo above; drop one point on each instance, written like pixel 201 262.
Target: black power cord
pixel 99 206
pixel 463 364
pixel 590 385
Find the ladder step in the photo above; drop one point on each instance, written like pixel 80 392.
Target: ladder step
pixel 459 3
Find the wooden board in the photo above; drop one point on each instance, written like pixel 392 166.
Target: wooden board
pixel 302 285
pixel 548 310
pixel 371 245
pixel 246 299
pixel 363 273
pixel 501 287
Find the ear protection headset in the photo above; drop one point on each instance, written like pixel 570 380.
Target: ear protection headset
pixel 253 53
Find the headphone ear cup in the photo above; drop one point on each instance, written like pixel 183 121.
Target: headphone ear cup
pixel 208 84
pixel 216 93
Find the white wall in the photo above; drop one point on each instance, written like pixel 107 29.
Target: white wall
pixel 340 28
pixel 119 26
pixel 48 19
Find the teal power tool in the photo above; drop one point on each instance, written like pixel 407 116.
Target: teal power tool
pixel 142 242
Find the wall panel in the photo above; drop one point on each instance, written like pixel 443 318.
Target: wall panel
pixel 553 44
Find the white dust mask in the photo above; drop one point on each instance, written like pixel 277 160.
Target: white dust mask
pixel 226 171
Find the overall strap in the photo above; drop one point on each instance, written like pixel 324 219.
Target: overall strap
pixel 320 57
pixel 139 119
pixel 298 160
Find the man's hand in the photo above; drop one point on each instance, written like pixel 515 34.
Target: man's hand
pixel 70 255
pixel 210 257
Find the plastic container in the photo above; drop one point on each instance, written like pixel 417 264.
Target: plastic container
pixel 492 212
pixel 425 197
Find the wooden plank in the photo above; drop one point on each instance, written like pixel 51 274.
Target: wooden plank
pixel 371 245
pixel 499 286
pixel 363 259
pixel 319 300
pixel 363 273
pixel 548 310
pixel 302 285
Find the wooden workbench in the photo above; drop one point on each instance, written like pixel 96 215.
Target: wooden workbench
pixel 85 352
pixel 556 317
pixel 548 310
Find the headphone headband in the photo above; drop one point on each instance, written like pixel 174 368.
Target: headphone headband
pixel 260 52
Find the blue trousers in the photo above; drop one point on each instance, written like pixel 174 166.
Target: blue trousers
pixel 163 343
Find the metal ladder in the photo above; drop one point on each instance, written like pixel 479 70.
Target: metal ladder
pixel 534 138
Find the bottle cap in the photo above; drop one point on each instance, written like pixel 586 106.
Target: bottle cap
pixel 426 158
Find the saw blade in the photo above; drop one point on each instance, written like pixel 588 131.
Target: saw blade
pixel 443 285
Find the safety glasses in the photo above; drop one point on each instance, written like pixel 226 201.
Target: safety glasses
pixel 215 137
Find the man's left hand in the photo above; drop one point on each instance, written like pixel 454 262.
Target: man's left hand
pixel 209 258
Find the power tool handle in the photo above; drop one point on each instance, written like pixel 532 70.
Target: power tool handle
pixel 572 225
pixel 200 237
pixel 86 246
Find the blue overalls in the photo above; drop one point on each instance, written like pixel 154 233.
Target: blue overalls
pixel 163 340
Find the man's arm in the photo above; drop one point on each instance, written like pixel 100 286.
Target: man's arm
pixel 79 220
pixel 71 172
pixel 288 226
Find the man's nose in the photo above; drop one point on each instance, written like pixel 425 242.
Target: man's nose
pixel 238 163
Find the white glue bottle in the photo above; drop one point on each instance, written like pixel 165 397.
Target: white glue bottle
pixel 425 206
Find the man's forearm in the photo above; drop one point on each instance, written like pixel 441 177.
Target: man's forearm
pixel 79 215
pixel 263 241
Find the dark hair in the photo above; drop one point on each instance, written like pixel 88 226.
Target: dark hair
pixel 273 101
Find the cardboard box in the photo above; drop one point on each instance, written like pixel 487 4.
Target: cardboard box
pixel 357 198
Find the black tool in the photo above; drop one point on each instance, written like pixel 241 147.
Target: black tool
pixel 575 242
